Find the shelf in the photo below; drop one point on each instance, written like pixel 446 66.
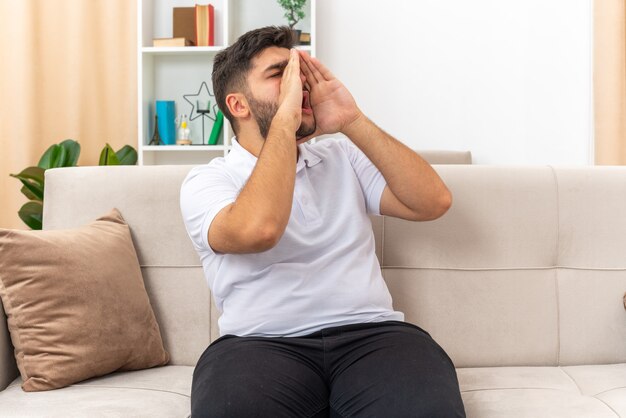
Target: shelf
pixel 184 148
pixel 193 50
pixel 178 73
pixel 180 50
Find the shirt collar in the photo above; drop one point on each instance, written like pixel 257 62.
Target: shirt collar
pixel 239 154
pixel 307 156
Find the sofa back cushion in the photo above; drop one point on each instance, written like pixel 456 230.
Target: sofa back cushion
pixel 527 268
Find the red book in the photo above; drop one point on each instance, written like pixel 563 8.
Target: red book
pixel 205 25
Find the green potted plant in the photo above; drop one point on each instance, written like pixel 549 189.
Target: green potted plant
pixel 64 154
pixel 294 12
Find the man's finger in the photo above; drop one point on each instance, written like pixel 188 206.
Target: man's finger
pixel 307 70
pixel 313 67
pixel 293 68
pixel 294 59
pixel 291 83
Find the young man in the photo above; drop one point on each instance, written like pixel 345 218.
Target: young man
pixel 307 324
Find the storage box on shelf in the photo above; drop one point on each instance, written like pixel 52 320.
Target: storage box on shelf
pixel 168 73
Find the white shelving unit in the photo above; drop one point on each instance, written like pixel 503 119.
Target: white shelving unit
pixel 169 73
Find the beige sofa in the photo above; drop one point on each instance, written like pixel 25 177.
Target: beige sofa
pixel 521 282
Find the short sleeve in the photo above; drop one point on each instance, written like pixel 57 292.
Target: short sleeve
pixel 205 191
pixel 370 178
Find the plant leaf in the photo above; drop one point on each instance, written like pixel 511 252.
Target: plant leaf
pixel 60 158
pixel 31 214
pixel 35 189
pixel 33 179
pixel 35 174
pixel 29 195
pixel 64 154
pixel 127 155
pixel 72 152
pixel 49 156
pixel 108 156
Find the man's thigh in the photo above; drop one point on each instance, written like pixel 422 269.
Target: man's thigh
pixel 394 370
pixel 258 377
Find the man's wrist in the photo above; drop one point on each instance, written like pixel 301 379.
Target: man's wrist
pixel 355 126
pixel 283 124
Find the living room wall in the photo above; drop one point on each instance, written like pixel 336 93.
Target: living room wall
pixel 509 80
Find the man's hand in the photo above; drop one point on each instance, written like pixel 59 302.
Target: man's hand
pixel 290 99
pixel 333 105
pixel 257 219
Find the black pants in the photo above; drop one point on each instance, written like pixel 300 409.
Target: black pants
pixel 386 370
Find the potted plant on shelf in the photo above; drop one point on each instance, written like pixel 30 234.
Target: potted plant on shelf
pixel 294 12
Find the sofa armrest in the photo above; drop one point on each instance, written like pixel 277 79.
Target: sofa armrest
pixel 8 367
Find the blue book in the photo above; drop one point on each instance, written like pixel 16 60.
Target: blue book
pixel 166 114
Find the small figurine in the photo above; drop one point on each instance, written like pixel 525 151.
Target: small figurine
pixel 156 138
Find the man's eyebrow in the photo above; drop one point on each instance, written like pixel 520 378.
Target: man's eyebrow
pixel 277 66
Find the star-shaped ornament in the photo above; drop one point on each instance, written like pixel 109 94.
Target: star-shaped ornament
pixel 203 95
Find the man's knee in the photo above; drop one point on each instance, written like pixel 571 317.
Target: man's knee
pixel 213 405
pixel 231 395
pixel 260 378
pixel 418 379
pixel 252 403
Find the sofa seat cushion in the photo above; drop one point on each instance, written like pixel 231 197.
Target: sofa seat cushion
pixel 157 392
pixel 594 391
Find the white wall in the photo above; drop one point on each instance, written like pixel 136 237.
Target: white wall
pixel 509 80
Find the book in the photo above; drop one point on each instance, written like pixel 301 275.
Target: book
pixel 165 110
pixel 160 42
pixel 305 38
pixel 205 25
pixel 217 128
pixel 184 23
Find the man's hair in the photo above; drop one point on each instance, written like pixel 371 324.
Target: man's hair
pixel 231 66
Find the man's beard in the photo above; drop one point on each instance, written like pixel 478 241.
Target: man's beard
pixel 264 113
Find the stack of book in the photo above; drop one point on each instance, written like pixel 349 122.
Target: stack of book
pixel 193 26
pixel 160 42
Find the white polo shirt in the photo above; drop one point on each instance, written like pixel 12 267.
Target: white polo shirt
pixel 323 272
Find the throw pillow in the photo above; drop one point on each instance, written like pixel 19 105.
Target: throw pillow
pixel 76 303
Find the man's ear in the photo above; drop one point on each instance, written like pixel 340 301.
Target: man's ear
pixel 238 105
